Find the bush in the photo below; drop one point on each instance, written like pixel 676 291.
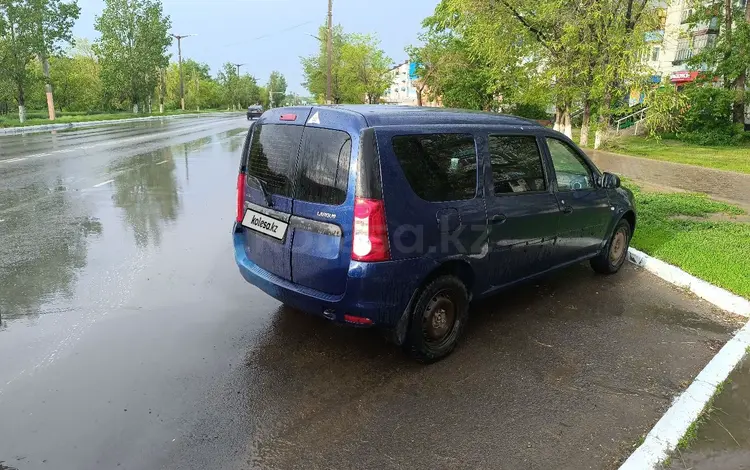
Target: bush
pixel 666 111
pixel 531 111
pixel 709 111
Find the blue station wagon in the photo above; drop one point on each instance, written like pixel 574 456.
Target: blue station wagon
pixel 399 217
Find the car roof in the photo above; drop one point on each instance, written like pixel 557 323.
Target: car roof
pixel 391 115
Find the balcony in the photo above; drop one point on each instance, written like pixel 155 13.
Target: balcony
pixel 682 55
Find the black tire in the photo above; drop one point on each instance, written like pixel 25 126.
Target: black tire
pixel 615 252
pixel 437 319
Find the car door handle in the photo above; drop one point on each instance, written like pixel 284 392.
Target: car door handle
pixel 567 210
pixel 499 219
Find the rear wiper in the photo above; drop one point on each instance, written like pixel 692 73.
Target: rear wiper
pixel 264 189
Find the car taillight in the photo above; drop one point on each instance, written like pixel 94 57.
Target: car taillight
pixel 240 196
pixel 370 241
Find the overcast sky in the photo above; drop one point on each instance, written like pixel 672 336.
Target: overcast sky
pixel 227 29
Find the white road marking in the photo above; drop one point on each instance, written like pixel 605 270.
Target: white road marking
pixel 162 162
pixel 103 183
pixel 13 160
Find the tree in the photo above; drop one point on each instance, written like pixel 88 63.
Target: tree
pixel 314 67
pixel 359 68
pixel 277 86
pixel 132 49
pixel 28 29
pixel 364 69
pixel 729 55
pixel 76 79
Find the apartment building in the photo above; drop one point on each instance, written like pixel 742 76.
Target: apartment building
pixel 403 88
pixel 672 47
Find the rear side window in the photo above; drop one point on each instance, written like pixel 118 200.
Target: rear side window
pixel 439 167
pixel 324 166
pixel 273 152
pixel 516 164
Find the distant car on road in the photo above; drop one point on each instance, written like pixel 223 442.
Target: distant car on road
pixel 399 217
pixel 254 112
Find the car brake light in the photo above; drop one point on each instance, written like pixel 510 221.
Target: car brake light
pixel 240 197
pixel 370 240
pixel 288 117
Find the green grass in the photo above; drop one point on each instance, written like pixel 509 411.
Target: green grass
pixel 732 158
pixel 715 251
pixel 36 118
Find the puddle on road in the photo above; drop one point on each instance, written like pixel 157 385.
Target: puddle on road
pixel 723 441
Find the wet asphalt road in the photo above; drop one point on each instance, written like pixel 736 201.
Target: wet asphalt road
pixel 129 339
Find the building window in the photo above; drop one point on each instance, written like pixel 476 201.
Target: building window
pixel 685 16
pixel 655 53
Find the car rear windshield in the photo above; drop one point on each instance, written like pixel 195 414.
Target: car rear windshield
pixel 311 166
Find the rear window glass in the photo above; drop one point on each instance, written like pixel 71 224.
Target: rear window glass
pixel 516 164
pixel 324 166
pixel 439 167
pixel 273 152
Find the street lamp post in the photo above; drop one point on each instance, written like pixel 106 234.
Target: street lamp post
pixel 179 55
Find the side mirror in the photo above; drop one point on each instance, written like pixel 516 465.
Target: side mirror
pixel 610 181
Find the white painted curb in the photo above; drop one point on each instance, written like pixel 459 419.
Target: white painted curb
pixel 723 299
pixel 70 125
pixel 665 435
pixel 663 438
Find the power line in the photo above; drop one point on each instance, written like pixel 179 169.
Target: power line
pixel 263 36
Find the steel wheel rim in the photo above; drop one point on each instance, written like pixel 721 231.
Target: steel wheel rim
pixel 439 318
pixel 619 245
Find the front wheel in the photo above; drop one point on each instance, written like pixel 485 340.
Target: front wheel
pixel 612 257
pixel 437 319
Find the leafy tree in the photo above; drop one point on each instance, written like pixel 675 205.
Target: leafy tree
pixel 76 79
pixel 131 50
pixel 314 68
pixel 277 84
pixel 28 29
pixel 728 56
pixel 364 69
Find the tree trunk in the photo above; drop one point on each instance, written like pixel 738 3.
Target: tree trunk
pixel 135 107
pixel 603 126
pixel 567 122
pixel 21 105
pixel 584 140
pixel 558 118
pixel 419 97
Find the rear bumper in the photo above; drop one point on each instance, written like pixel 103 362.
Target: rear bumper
pixel 378 291
pixel 254 115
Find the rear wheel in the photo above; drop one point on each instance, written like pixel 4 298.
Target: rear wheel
pixel 437 319
pixel 612 257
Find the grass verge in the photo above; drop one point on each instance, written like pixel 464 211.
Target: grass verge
pixel 715 251
pixel 75 117
pixel 731 158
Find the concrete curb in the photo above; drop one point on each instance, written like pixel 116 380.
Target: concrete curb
pixel 663 438
pixel 723 299
pixel 70 125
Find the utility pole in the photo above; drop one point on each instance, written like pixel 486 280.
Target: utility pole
pixel 329 52
pixel 179 55
pixel 238 77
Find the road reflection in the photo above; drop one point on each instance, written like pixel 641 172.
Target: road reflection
pixel 147 191
pixel 43 246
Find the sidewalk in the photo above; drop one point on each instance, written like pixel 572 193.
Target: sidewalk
pixel 722 185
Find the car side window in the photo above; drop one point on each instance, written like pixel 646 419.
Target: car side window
pixel 571 171
pixel 516 164
pixel 439 167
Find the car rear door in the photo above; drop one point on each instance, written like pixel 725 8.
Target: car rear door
pixel 322 214
pixel 522 210
pixel 271 164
